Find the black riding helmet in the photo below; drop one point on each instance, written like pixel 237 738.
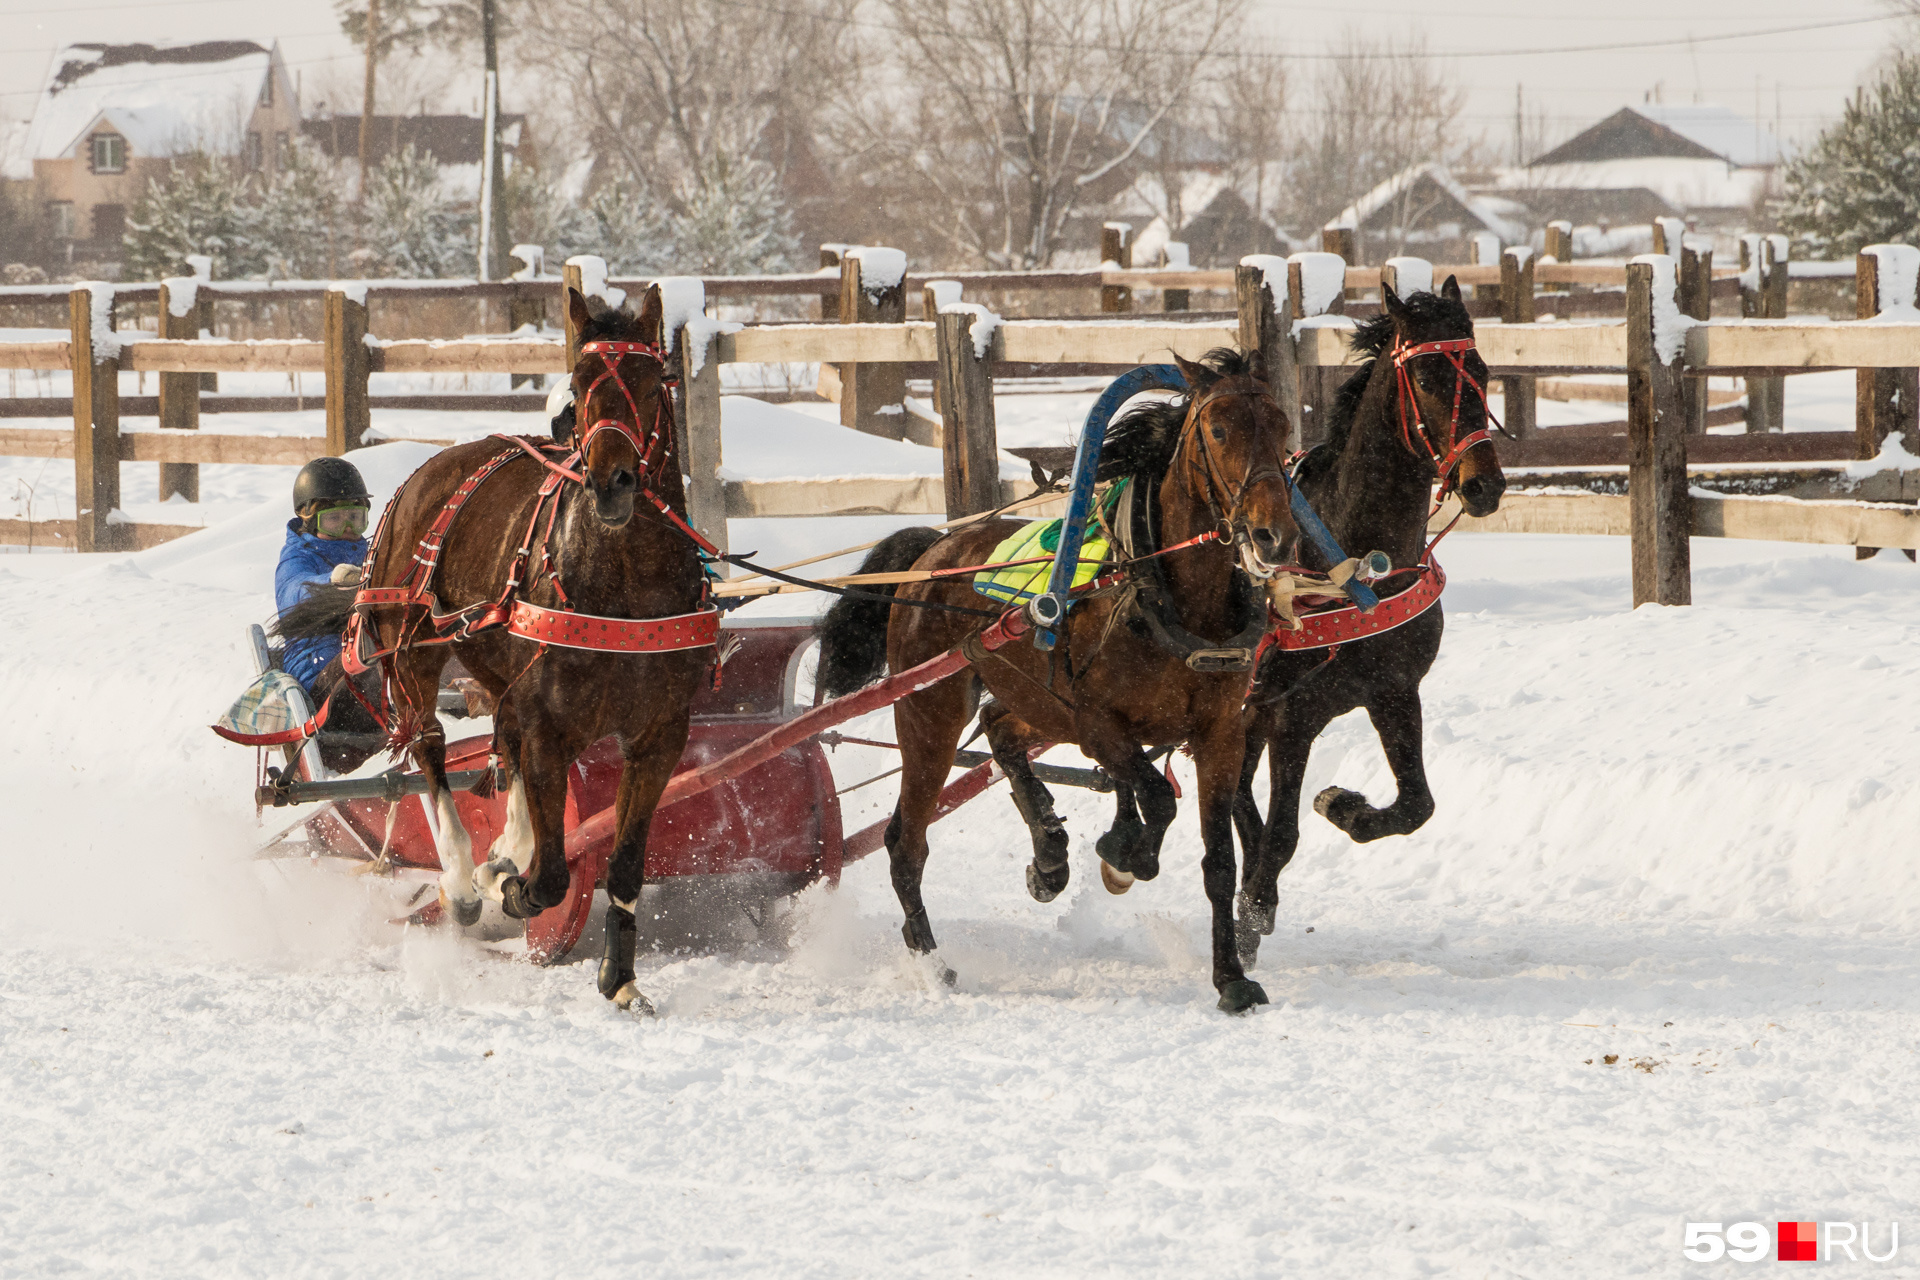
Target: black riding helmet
pixel 328 480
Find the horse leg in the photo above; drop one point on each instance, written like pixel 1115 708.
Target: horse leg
pixel 417 681
pixel 1397 719
pixel 1131 850
pixel 642 778
pixel 536 827
pixel 1218 765
pixel 1009 739
pixel 1298 721
pixel 927 725
pixel 513 848
pixel 1247 822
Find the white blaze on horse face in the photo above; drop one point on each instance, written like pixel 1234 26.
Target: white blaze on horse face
pixel 455 847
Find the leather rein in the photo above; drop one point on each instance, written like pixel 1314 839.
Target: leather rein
pixel 1414 427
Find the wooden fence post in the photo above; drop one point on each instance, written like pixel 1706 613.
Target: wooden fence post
pixel 1696 300
pixel 935 294
pixel 1518 396
pixel 1260 292
pixel 830 257
pixel 1885 400
pixel 179 392
pixel 1176 299
pixel 700 391
pixel 1559 245
pixel 571 277
pixel 872 396
pixel 1661 510
pixel 1343 241
pixel 1774 296
pixel 970 438
pixel 96 418
pixel 1317 385
pixel 1754 248
pixel 1116 246
pixel 345 330
pixel 1668 234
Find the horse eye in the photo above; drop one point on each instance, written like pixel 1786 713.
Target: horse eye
pixel 1219 433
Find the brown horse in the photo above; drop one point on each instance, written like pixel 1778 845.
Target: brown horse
pixel 580 548
pixel 1414 415
pixel 1207 464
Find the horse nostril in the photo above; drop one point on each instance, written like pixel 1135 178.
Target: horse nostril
pixel 621 479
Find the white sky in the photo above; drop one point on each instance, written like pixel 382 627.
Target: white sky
pixel 1808 73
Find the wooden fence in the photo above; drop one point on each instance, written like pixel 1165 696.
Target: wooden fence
pixel 1283 308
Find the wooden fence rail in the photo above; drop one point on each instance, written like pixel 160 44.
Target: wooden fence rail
pixel 1284 308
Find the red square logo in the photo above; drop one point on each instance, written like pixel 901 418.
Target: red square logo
pixel 1798 1241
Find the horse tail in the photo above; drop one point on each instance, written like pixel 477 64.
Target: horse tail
pixel 323 611
pixel 853 634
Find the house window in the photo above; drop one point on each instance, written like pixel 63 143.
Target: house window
pixel 282 150
pixel 109 223
pixel 109 153
pixel 254 159
pixel 60 218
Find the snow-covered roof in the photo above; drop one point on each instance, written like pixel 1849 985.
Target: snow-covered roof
pixel 1504 217
pixel 1699 131
pixel 1722 131
pixel 163 98
pixel 15 162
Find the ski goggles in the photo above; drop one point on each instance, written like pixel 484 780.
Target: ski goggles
pixel 346 521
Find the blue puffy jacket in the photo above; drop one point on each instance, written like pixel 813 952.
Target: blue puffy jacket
pixel 306 559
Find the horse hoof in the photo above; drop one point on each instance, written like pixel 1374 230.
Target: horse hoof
pixel 1041 884
pixel 1339 806
pixel 1146 866
pixel 1254 916
pixel 1241 995
pixel 628 997
pixel 465 914
pixel 1116 880
pixel 490 878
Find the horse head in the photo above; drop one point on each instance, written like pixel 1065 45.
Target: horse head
pixel 1233 452
pixel 623 420
pixel 1440 399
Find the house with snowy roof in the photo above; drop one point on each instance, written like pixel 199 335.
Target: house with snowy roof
pixel 1701 160
pixel 1425 211
pixel 110 117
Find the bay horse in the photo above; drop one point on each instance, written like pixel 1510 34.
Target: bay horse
pixel 1415 413
pixel 573 592
pixel 1212 493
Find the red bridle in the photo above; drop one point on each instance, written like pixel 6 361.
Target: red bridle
pixel 1411 424
pixel 649 450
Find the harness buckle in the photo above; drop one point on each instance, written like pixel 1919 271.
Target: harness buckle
pixel 1214 661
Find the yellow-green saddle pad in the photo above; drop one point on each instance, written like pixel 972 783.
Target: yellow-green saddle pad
pixel 1042 538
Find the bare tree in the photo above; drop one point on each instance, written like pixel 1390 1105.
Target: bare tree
pixel 1025 113
pixel 1379 107
pixel 1249 108
pixel 669 90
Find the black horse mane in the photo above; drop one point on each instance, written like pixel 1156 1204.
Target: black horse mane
pixel 1373 337
pixel 1141 441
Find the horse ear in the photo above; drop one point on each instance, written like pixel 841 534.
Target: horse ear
pixel 1450 290
pixel 1391 301
pixel 651 309
pixel 577 310
pixel 1257 364
pixel 1198 376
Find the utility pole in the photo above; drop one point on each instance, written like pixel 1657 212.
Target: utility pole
pixel 366 100
pixel 1518 132
pixel 493 195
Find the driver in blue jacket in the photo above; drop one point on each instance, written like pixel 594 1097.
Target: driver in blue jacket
pixel 326 542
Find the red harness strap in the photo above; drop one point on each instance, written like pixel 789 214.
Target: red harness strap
pixel 1345 623
pixel 1412 426
pixel 569 630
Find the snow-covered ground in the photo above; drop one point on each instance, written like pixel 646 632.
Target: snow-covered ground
pixel 1680 837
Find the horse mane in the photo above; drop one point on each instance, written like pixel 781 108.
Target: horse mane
pixel 1141 441
pixel 613 324
pixel 1373 337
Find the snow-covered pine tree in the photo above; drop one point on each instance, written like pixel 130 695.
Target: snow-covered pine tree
pixel 199 206
pixel 731 220
pixel 631 228
pixel 1860 183
pixel 298 222
pixel 411 226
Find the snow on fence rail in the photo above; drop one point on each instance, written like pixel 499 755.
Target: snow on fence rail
pixel 1662 350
